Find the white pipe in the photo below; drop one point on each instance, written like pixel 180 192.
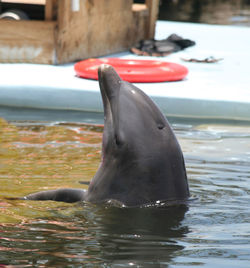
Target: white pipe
pixel 75 5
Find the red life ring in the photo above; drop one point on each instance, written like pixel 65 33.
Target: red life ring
pixel 133 70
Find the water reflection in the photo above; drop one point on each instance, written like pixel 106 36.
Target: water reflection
pixel 117 237
pixel 140 236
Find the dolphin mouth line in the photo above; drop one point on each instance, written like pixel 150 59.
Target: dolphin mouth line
pixel 106 94
pixel 110 83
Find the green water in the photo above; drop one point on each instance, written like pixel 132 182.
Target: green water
pixel 213 232
pixel 38 156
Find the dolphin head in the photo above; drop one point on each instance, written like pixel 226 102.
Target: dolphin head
pixel 142 161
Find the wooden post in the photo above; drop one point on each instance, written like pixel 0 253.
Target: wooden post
pixel 27 41
pixel 153 8
pixel 51 10
pixel 100 27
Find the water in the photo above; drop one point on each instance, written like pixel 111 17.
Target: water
pixel 214 231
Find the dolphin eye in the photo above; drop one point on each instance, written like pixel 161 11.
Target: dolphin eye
pixel 160 126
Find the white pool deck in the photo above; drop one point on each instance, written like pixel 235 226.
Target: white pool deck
pixel 213 91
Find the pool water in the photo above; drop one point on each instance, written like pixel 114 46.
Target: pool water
pixel 214 231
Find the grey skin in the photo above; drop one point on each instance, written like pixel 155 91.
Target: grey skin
pixel 142 161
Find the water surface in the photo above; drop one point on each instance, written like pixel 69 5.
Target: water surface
pixel 214 231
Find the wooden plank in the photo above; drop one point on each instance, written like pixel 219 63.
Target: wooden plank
pixel 27 41
pixel 140 22
pixel 153 7
pixel 139 7
pixel 100 27
pixel 51 10
pixel 33 2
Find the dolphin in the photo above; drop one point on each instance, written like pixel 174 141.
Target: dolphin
pixel 142 162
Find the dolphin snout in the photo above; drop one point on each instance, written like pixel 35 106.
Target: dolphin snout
pixel 109 81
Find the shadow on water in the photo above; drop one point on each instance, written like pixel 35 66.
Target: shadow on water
pixel 98 235
pixel 140 235
pixel 32 114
